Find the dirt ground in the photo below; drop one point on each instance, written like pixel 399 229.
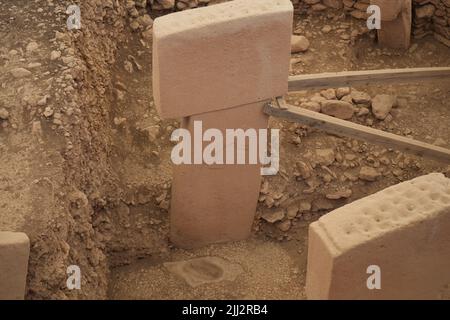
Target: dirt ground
pixel 85 159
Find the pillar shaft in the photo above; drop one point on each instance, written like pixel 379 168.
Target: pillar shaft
pixel 217 203
pixel 396 22
pixel 219 65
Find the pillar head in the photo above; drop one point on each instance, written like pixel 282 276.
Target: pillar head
pixel 221 56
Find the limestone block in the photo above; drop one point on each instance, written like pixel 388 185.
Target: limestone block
pixel 216 203
pixel 14 252
pixel 221 56
pixel 403 229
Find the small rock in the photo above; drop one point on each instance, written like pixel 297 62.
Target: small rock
pixel 48 112
pixel 119 120
pixel 363 111
pixel 341 194
pixel 425 11
pixel 165 4
pixel 329 94
pixel 55 55
pixel 325 157
pixel 317 98
pixel 273 216
pixel 20 73
pixel 368 174
pixel 43 101
pixel 304 206
pixel 312 106
pixel 305 170
pixel 32 46
pixel 326 29
pixel 134 25
pixel 342 92
pixel 284 225
pixel 381 105
pixel 322 204
pixel 146 21
pixel 292 211
pixel 4 114
pixel 359 97
pixel 338 108
pixel 128 66
pixel 299 44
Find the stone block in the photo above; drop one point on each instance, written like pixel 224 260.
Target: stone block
pixel 404 230
pixel 221 56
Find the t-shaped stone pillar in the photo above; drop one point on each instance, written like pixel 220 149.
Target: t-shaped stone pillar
pixel 396 19
pixel 219 65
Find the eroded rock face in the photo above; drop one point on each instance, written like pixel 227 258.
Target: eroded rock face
pixel 204 270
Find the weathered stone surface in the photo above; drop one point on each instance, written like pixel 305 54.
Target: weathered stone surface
pixel 402 229
pixel 204 270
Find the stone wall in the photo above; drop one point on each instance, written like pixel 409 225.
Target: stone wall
pixel 430 17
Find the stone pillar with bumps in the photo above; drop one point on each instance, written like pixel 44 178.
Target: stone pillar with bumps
pixel 219 65
pixel 394 244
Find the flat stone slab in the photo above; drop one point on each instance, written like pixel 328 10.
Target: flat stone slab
pixel 254 269
pixel 204 270
pixel 221 56
pixel 14 253
pixel 404 230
